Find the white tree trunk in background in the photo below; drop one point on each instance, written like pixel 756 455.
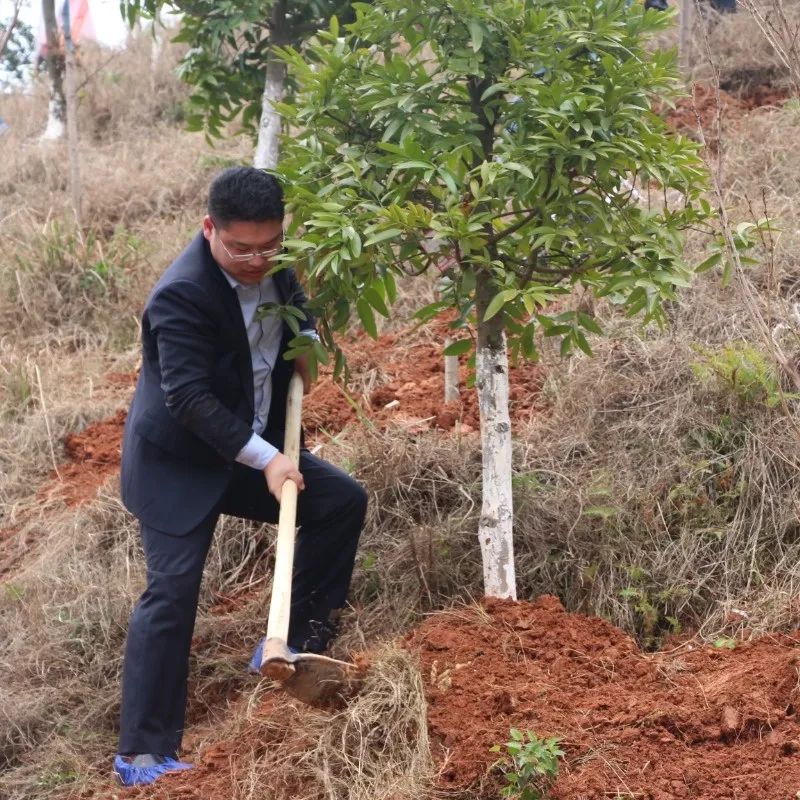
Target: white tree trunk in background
pixel 451 394
pixel 72 119
pixel 495 529
pixel 685 36
pixel 57 108
pixel 269 129
pixel 6 37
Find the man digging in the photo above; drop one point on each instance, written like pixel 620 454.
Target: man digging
pixel 203 437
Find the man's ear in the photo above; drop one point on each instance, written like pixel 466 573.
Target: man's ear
pixel 208 227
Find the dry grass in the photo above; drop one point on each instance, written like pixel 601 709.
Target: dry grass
pixel 746 59
pixel 376 748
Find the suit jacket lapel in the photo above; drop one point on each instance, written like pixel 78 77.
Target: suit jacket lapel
pixel 233 310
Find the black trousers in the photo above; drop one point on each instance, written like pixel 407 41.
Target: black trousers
pixel 330 513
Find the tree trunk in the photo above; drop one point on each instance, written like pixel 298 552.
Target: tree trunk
pixel 7 33
pixel 451 394
pixel 685 37
pixel 72 117
pixel 269 129
pixel 495 529
pixel 57 109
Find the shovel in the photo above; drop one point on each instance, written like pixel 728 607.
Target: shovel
pixel 314 679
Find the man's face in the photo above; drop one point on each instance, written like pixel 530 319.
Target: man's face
pixel 257 240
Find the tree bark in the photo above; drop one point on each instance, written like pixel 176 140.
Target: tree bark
pixel 685 36
pixel 451 394
pixel 495 529
pixel 57 109
pixel 269 129
pixel 73 152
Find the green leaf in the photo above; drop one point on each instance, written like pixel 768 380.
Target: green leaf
pixel 712 261
pixel 367 317
pixel 458 348
pixel 391 287
pixel 414 165
pixel 580 339
pixel 589 323
pixel 498 301
pixel 492 90
pixel 372 296
pixel 428 312
pixel 520 168
pixel 476 34
pixel 376 238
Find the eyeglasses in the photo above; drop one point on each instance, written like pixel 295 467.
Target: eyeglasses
pixel 247 256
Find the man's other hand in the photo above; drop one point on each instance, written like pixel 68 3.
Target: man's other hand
pixel 280 470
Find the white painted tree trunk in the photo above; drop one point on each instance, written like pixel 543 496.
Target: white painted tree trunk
pixel 685 36
pixel 55 128
pixel 451 394
pixel 57 107
pixel 269 130
pixel 73 152
pixel 495 528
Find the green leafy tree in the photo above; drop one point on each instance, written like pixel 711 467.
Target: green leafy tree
pixel 230 65
pixel 503 146
pixel 16 47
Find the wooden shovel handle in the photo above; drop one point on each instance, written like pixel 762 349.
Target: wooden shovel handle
pixel 280 604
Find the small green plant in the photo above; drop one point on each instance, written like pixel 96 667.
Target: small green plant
pixel 653 606
pixel 743 370
pixel 530 765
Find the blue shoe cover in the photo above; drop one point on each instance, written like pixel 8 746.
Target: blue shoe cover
pixel 129 775
pixel 254 667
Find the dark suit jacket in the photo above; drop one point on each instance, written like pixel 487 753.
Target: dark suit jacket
pixel 192 410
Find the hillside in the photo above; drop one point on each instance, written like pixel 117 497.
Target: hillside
pixel 656 483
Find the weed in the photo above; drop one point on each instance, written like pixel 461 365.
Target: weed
pixel 16 390
pixel 530 765
pixel 743 370
pixel 52 780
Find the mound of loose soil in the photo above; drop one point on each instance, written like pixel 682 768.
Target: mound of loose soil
pixel 93 455
pixel 696 723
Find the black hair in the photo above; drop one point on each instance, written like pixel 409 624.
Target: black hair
pixel 244 194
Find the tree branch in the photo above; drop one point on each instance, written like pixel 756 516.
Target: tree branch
pixel 10 28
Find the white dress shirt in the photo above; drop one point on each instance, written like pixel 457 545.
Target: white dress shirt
pixel 264 336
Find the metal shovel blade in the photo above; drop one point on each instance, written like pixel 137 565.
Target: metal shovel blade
pixel 314 679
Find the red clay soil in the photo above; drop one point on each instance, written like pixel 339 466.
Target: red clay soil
pixel 93 454
pixel 695 723
pixel 705 103
pixel 402 370
pixel 700 723
pixel 404 386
